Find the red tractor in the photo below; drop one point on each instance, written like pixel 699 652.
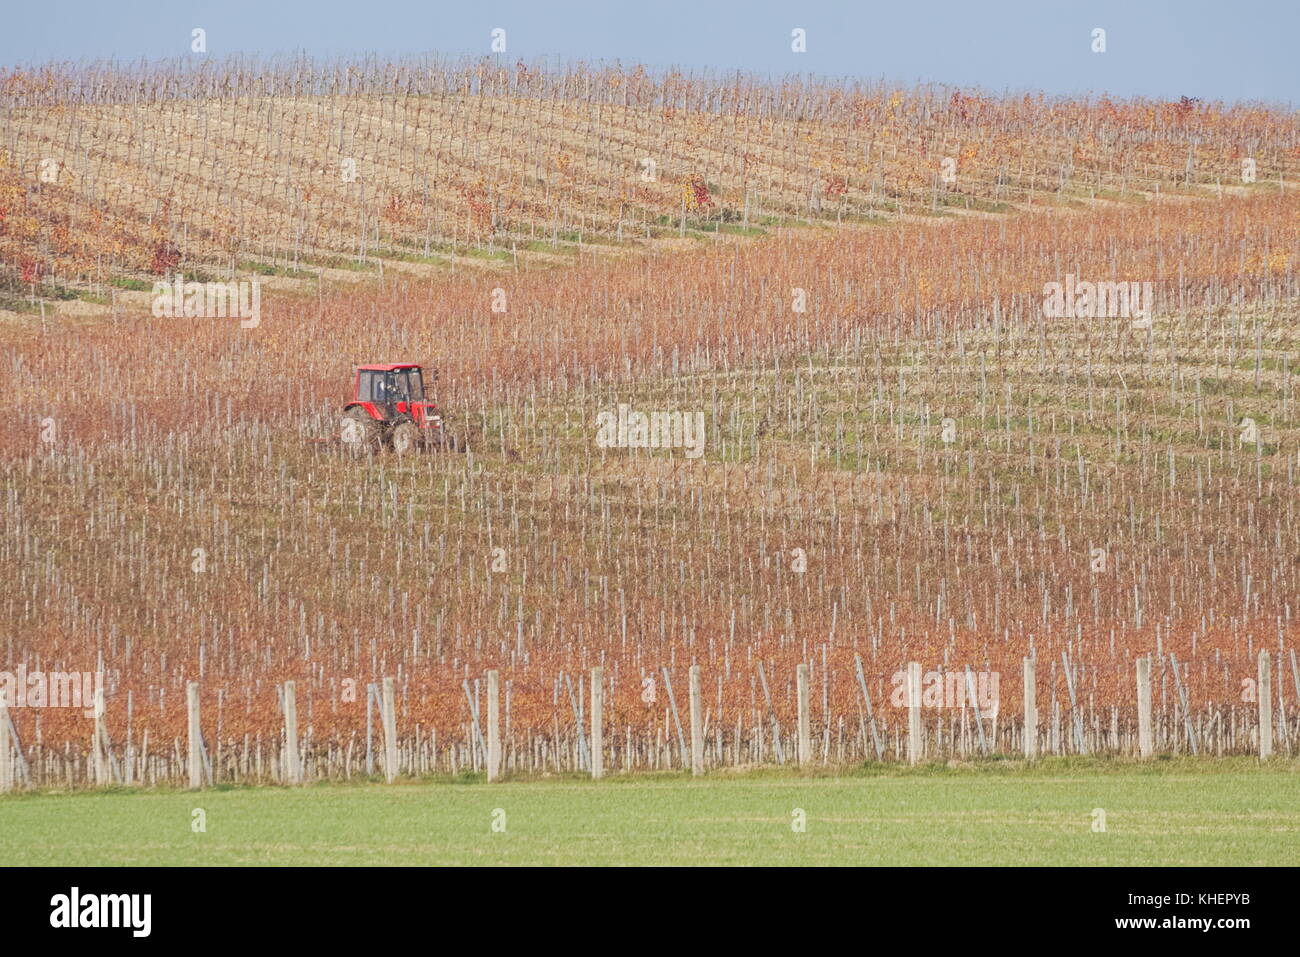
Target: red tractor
pixel 388 410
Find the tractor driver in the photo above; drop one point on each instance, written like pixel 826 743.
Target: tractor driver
pixel 399 387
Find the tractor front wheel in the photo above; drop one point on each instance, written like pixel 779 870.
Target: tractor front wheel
pixel 404 438
pixel 360 432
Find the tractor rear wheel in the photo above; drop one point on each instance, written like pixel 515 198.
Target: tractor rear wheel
pixel 404 437
pixel 360 432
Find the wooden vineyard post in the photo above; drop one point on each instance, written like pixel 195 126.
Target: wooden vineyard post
pixel 697 724
pixel 914 741
pixel 1146 746
pixel 494 725
pixel 292 770
pixel 805 731
pixel 1265 694
pixel 975 710
pixel 371 691
pixel 195 752
pixel 390 729
pixel 597 731
pixel 1031 712
pixel 767 699
pixel 102 774
pixel 866 697
pixel 6 761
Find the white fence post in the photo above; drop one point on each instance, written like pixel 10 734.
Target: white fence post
pixel 697 724
pixel 494 725
pixel 914 740
pixel 1031 711
pixel 195 752
pixel 1265 695
pixel 390 729
pixel 1146 745
pixel 805 729
pixel 292 770
pixel 6 759
pixel 597 724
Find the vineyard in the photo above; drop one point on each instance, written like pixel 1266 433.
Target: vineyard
pixel 296 168
pixel 903 460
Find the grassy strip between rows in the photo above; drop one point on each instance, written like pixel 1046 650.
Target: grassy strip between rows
pixel 1175 812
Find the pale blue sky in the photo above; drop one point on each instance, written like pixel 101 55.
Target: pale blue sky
pixel 1159 48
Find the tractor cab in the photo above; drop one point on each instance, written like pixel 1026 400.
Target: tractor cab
pixel 389 409
pixel 390 387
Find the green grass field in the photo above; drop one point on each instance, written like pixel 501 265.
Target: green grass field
pixel 1179 812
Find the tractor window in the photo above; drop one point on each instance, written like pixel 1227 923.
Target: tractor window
pixel 417 386
pixel 398 380
pixel 371 387
pixel 375 386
